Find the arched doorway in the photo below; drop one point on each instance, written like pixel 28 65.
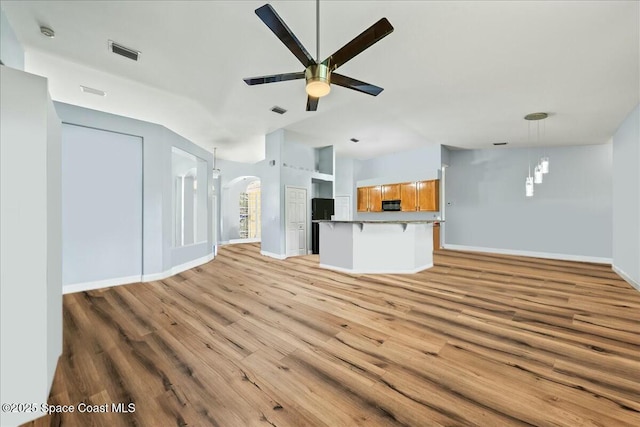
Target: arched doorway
pixel 242 210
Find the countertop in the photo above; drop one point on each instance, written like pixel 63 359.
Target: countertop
pixel 425 221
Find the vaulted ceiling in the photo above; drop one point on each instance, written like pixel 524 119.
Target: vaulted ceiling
pixel 457 73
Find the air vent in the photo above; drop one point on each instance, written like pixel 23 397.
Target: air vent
pixel 278 110
pixel 354 140
pixel 500 143
pixel 123 51
pixel 93 91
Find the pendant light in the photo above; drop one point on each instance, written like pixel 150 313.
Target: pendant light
pixel 528 186
pixel 537 175
pixel 544 161
pixel 543 165
pixel 528 182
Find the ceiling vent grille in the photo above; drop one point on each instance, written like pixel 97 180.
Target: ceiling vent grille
pixel 278 110
pixel 123 51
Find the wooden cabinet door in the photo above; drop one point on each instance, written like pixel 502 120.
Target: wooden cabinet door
pixel 375 198
pixel 436 236
pixel 408 196
pixel 363 199
pixel 429 195
pixel 391 192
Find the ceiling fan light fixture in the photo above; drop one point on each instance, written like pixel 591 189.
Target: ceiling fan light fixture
pixel 318 80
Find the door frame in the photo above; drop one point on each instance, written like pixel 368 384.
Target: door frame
pixel 306 221
pixel 350 214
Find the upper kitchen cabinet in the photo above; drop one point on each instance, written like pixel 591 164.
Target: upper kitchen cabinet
pixel 408 196
pixel 375 198
pixel 428 195
pixel 421 196
pixel 391 192
pixel 370 199
pixel 363 199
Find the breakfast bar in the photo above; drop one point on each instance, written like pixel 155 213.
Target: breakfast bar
pixel 376 247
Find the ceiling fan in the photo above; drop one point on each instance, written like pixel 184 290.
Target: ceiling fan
pixel 320 75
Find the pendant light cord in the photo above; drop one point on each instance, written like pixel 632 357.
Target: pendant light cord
pixel 529 146
pixel 544 136
pixel 538 136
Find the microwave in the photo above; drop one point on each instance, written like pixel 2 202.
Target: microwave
pixel 391 205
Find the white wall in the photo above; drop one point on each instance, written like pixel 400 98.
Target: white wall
pixel 159 257
pixel 626 198
pixel 54 240
pixel 403 166
pixel 30 248
pixel 272 196
pixel 11 52
pixel 288 162
pixel 569 216
pixel 101 208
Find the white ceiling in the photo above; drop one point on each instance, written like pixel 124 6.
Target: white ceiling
pixel 457 73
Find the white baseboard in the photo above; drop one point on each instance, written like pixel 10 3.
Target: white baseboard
pixel 253 240
pixel 626 277
pixel 373 271
pixel 563 257
pixel 272 255
pixel 178 269
pixel 98 284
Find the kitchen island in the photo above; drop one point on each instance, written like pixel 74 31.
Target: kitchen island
pixel 376 247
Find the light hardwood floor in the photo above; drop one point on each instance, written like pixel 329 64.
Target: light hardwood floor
pixel 246 340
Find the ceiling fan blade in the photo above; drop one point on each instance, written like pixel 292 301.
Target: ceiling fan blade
pixel 354 84
pixel 280 29
pixel 273 78
pixel 312 103
pixel 367 38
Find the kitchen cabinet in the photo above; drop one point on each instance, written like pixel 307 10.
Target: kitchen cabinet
pixel 370 199
pixel 391 192
pixel 428 195
pixel 436 236
pixel 375 198
pixel 408 196
pixel 363 199
pixel 414 196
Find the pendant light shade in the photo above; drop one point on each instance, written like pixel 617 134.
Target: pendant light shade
pixel 537 175
pixel 528 185
pixel 544 164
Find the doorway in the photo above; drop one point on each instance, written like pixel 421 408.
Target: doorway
pixel 343 208
pixel 296 221
pixel 241 210
pixel 250 212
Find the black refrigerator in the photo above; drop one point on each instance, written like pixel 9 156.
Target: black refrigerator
pixel 320 209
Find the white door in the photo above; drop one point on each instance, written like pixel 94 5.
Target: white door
pixel 343 208
pixel 296 221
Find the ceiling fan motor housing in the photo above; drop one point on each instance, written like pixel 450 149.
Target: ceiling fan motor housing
pixel 318 79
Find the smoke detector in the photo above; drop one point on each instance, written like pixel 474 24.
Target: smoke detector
pixel 47 32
